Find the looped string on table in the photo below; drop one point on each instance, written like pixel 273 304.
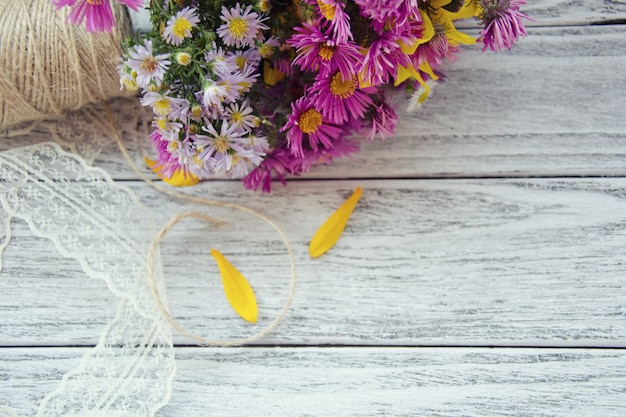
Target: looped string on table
pixel 177 218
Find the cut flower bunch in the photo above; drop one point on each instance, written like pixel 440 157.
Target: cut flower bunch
pixel 265 89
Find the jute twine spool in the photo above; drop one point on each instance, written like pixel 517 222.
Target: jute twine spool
pixel 48 67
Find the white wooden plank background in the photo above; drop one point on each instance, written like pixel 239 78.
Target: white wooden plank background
pixel 361 382
pixel 476 228
pixel 422 262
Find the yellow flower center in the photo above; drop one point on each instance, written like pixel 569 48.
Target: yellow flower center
pixel 197 160
pixel 327 10
pixel 95 1
pixel 265 50
pixel 326 52
pixel 221 144
pixel 181 27
pixel 172 146
pixel 149 64
pixel 130 85
pixel 162 124
pixel 162 106
pixel 183 58
pixel 237 118
pixel 193 129
pixel 265 6
pixel 342 88
pixel 235 159
pixel 310 121
pixel 241 62
pixel 238 28
pixel 196 110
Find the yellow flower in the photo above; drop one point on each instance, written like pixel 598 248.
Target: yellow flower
pixel 237 289
pixel 328 234
pixel 179 179
pixel 442 18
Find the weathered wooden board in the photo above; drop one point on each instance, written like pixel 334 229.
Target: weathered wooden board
pixel 358 381
pixel 426 262
pixel 551 107
pixel 569 12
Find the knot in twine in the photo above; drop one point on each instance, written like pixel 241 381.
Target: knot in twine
pixel 48 67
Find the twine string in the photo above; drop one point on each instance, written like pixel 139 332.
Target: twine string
pixel 201 216
pixel 50 67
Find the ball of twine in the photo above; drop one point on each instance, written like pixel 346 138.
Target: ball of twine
pixel 48 67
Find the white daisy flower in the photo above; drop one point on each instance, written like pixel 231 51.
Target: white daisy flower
pixel 213 94
pixel 240 116
pixel 240 29
pixel 179 26
pixel 146 65
pixel 240 59
pixel 162 104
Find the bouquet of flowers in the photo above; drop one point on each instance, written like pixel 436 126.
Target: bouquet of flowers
pixel 263 89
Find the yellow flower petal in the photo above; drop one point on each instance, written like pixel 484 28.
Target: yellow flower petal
pixel 328 234
pixel 470 8
pixel 179 179
pixel 429 29
pixel 271 76
pixel 237 289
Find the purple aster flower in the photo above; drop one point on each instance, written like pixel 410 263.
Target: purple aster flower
pixel 503 23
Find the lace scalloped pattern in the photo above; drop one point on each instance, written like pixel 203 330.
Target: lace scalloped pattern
pixel 103 226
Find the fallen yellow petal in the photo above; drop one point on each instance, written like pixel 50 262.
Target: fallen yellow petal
pixel 179 179
pixel 328 234
pixel 237 289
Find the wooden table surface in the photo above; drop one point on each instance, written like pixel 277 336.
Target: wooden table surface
pixel 482 273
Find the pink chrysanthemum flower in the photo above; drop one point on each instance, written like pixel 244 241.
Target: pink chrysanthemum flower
pixel 382 60
pixel 435 51
pixel 382 122
pixel 316 50
pixel 503 23
pixel 332 11
pixel 340 99
pixel 97 13
pixel 167 164
pixel 306 121
pixel 281 162
pixel 179 26
pixel 389 15
pixel 240 28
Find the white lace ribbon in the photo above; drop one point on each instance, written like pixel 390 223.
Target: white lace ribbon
pixel 103 226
